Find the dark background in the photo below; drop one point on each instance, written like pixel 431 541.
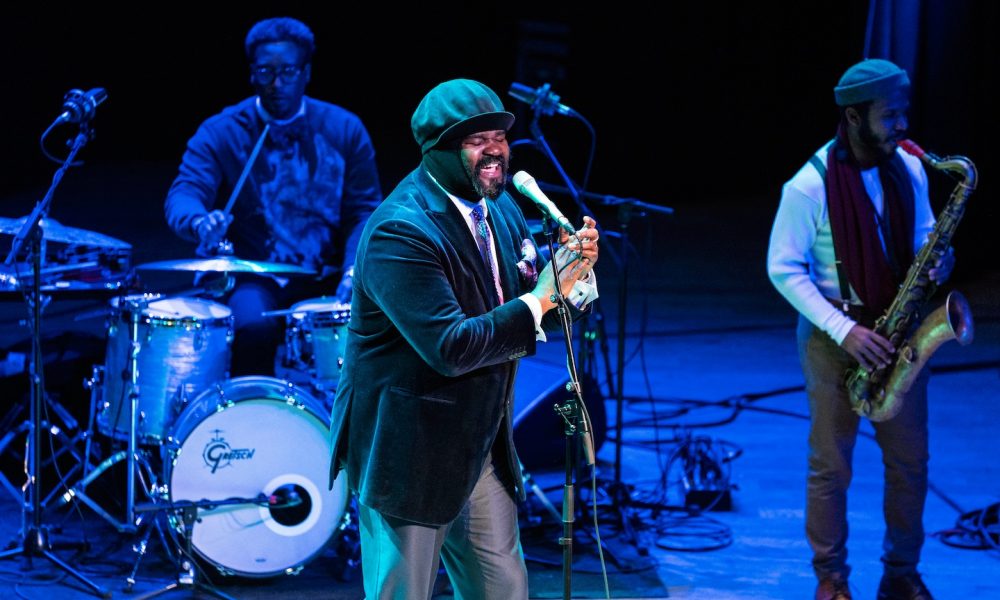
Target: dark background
pixel 707 108
pixel 713 104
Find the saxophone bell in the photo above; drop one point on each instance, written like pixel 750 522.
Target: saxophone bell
pixel 950 321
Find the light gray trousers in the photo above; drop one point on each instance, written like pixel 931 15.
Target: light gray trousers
pixel 481 550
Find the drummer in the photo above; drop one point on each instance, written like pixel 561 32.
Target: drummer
pixel 309 191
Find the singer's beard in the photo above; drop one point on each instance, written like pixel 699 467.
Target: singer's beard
pixel 493 187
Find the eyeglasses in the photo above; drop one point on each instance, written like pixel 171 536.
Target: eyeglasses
pixel 264 75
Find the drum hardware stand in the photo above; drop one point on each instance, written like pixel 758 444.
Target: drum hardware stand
pixel 35 538
pixel 129 523
pixel 187 570
pixel 80 463
pixel 141 548
pixel 78 491
pixel 69 444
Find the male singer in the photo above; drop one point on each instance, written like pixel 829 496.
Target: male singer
pixel 447 298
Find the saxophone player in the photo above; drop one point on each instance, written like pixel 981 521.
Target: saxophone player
pixel 847 228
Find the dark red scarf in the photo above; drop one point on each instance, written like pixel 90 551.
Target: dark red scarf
pixel 854 223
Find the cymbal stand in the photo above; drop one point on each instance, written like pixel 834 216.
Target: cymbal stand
pixel 35 540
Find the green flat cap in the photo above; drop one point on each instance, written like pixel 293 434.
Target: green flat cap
pixel 456 108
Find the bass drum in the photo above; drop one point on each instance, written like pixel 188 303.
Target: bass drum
pixel 265 442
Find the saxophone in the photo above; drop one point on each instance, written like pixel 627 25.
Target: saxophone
pixel 878 394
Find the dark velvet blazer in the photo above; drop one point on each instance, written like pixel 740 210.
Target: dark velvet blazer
pixel 427 383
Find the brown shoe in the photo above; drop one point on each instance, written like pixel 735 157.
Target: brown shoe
pixel 833 588
pixel 903 587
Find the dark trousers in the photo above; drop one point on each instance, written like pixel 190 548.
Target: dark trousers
pixel 832 436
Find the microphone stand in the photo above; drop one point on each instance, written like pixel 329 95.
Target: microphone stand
pixel 574 415
pixel 619 493
pixel 35 536
pixel 538 140
pixel 626 209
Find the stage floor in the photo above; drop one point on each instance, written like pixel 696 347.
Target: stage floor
pixel 711 378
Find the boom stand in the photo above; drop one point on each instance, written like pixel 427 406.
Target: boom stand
pixel 538 140
pixel 620 495
pixel 627 208
pixel 36 540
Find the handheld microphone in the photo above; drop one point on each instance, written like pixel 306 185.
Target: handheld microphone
pixel 541 98
pixel 526 185
pixel 79 106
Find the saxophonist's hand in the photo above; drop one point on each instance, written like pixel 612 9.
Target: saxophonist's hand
pixel 941 270
pixel 867 347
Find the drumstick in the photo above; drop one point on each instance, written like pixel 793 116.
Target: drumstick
pixel 246 170
pixel 204 250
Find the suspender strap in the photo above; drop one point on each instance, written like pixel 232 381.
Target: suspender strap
pixel 819 166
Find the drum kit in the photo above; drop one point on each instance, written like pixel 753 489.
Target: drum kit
pixel 249 454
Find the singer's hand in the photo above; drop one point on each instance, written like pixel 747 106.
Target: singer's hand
pixel 212 227
pixel 574 260
pixel 584 243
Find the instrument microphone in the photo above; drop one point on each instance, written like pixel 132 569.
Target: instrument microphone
pixel 284 497
pixel 526 185
pixel 541 98
pixel 79 106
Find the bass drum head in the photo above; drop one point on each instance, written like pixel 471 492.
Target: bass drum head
pixel 248 437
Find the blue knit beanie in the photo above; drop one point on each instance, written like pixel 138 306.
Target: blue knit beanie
pixel 868 80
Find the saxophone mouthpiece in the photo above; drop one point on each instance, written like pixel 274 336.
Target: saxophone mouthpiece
pixel 911 147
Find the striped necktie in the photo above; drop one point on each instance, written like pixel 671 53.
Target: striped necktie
pixel 483 237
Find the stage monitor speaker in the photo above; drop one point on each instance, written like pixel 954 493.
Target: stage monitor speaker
pixel 539 433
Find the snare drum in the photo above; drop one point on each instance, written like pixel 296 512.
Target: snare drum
pixel 247 437
pixel 316 338
pixel 184 346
